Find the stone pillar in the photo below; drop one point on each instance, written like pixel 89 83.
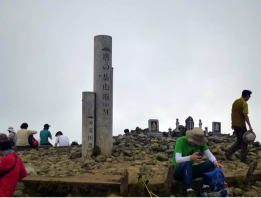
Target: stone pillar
pixel 103 89
pixel 200 124
pixel 88 123
pixel 216 128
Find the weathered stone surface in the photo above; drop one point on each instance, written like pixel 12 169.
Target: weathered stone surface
pixel 237 192
pixel 100 158
pixel 258 183
pixel 30 171
pixel 138 153
pixel 103 88
pixel 251 193
pixel 18 193
pixel 162 157
pixel 127 153
pixel 75 155
pixel 88 123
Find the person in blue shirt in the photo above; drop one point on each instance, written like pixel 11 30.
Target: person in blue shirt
pixel 44 135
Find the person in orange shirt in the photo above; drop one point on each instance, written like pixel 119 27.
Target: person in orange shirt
pixel 239 117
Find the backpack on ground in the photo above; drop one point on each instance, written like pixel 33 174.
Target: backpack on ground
pixel 217 184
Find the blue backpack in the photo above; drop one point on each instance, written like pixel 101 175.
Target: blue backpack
pixel 217 184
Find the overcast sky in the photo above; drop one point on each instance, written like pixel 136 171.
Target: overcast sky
pixel 172 59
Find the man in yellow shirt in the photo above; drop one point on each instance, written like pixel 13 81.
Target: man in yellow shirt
pixel 239 117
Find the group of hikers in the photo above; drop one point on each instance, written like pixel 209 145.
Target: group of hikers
pixel 187 156
pixel 12 169
pixel 24 139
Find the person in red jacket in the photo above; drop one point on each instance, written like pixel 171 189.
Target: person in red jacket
pixel 12 169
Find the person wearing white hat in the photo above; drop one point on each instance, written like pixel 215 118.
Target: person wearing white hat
pixel 12 136
pixel 187 157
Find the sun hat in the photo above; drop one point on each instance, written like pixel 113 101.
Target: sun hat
pixel 196 136
pixel 249 137
pixel 11 129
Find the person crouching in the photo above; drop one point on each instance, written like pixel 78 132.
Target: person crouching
pixel 12 169
pixel 187 157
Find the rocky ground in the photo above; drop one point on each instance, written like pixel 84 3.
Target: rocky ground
pixel 138 153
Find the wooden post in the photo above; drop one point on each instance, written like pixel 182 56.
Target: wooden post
pixel 124 183
pixel 169 179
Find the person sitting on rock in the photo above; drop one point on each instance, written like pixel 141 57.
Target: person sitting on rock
pixel 23 137
pixel 187 157
pixel 12 169
pixel 44 135
pixel 61 140
pixel 12 136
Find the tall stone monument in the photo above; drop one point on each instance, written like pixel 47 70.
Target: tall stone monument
pixel 88 123
pixel 103 99
pixel 103 74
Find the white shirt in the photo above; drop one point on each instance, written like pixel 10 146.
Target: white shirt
pixel 62 140
pixel 180 159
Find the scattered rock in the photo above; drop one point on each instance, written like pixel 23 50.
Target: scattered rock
pixel 18 193
pixel 75 155
pixel 100 158
pixel 162 157
pixel 258 183
pixel 135 150
pixel 127 153
pixel 237 192
pixel 30 171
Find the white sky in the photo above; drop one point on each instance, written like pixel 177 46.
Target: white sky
pixel 171 59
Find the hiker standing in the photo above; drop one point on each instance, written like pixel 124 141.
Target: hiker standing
pixel 61 139
pixel 12 136
pixel 187 157
pixel 23 137
pixel 12 169
pixel 44 135
pixel 239 118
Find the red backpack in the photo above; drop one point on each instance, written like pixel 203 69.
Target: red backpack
pixel 33 142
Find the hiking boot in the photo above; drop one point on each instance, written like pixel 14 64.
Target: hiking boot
pixel 191 193
pixel 246 161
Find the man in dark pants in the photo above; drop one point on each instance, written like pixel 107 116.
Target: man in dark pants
pixel 239 117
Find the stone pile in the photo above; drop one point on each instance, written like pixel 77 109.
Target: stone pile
pixel 137 152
